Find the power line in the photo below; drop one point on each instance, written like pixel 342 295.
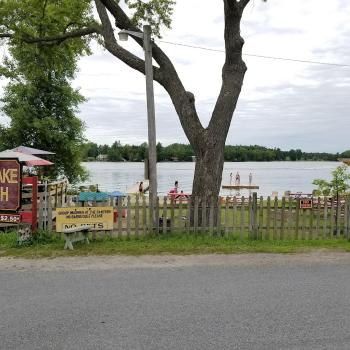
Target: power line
pixel 259 56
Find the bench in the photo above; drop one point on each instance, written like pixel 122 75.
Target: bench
pixel 76 234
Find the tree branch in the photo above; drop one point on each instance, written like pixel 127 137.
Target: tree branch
pixel 233 70
pixel 6 35
pixel 243 3
pixel 183 101
pixel 118 51
pixel 56 39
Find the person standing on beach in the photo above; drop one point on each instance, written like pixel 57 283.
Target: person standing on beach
pixel 250 179
pixel 141 188
pixel 238 179
pixel 176 188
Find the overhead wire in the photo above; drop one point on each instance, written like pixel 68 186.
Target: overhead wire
pixel 259 56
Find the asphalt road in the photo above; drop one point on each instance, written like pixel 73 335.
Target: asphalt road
pixel 288 306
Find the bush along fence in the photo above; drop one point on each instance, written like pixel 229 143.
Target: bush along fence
pixel 241 218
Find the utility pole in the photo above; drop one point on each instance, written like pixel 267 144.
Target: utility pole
pixel 152 147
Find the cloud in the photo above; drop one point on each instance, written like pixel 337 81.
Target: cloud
pixel 283 104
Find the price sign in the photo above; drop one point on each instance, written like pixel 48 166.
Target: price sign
pixel 10 218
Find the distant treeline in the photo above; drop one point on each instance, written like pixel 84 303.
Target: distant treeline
pixel 181 152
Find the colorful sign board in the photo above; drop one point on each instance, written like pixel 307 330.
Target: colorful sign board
pixel 10 184
pixel 100 218
pixel 10 218
pixel 305 203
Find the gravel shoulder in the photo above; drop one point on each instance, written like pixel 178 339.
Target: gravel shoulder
pixel 171 261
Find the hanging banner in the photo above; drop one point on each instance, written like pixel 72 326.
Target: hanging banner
pixel 100 218
pixel 10 184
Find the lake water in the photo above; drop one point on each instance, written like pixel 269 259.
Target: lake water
pixel 270 176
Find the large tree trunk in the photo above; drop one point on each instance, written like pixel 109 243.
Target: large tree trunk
pixel 208 170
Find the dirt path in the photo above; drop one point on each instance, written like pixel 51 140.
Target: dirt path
pixel 171 261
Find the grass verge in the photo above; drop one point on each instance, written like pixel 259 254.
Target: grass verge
pixel 52 246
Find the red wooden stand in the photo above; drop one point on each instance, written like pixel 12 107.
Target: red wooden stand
pixel 31 217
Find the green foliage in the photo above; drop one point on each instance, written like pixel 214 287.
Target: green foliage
pixel 39 100
pixel 154 12
pixel 182 152
pixel 345 154
pixel 337 186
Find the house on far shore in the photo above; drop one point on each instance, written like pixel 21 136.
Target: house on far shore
pixel 102 157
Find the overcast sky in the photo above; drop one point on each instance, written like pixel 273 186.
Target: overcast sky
pixel 282 104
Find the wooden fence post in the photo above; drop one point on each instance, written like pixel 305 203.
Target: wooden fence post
pixel 128 216
pixel 303 225
pixel 188 215
pixel 157 215
pixel 255 215
pixel 242 218
pixel 268 218
pixel 318 218
pixel 49 213
pixel 283 208
pixel 297 213
pixel 144 216
pixel 180 216
pixel 137 216
pixel 234 219
pixel 165 214
pixel 250 214
pixel 261 218
pixel 338 216
pixel 275 218
pixel 41 211
pixel 211 217
pixel 346 214
pixel 332 218
pixel 311 221
pixel 203 206
pixel 290 217
pixel 119 211
pixel 218 217
pixel 227 219
pixel 195 215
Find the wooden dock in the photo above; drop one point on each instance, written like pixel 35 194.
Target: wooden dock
pixel 240 187
pixel 134 189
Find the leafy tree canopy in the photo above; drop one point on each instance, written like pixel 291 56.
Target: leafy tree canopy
pixel 39 99
pixel 337 186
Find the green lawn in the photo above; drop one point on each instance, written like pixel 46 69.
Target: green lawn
pixel 51 246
